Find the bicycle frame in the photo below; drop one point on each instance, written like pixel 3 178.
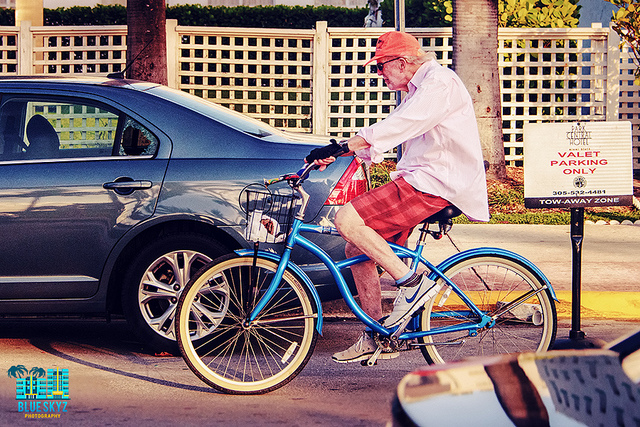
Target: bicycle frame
pixel 296 239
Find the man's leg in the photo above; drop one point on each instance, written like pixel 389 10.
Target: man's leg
pixel 353 229
pixel 365 276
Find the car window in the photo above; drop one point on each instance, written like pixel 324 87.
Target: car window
pixel 51 129
pixel 137 140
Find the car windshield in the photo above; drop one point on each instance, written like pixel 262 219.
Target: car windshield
pixel 219 113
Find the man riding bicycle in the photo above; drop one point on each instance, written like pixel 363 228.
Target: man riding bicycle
pixel 441 165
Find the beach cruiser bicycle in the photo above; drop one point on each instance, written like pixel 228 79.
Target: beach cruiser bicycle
pixel 247 322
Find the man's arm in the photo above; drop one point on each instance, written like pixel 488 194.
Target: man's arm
pixel 357 142
pixel 354 143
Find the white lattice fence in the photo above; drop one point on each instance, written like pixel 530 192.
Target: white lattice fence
pixel 356 96
pixel 264 73
pixel 79 51
pixel 9 50
pixel 314 80
pixel 550 76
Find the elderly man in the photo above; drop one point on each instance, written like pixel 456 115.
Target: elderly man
pixel 441 165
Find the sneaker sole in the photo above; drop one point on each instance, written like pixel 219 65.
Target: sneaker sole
pixel 419 303
pixel 383 356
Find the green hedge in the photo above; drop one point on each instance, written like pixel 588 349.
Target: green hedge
pixel 195 15
pixel 267 16
pixel 7 17
pixel 83 15
pixel 418 13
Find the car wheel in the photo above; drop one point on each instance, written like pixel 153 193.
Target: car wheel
pixel 155 280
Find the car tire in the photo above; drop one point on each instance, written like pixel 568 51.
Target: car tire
pixel 154 281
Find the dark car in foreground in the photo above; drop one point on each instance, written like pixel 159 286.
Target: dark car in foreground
pixel 588 387
pixel 114 192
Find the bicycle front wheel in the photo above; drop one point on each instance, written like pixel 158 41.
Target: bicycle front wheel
pixel 238 357
pixel 491 282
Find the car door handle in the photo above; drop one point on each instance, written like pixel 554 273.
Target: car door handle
pixel 128 185
pixel 125 185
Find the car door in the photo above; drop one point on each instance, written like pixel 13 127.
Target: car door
pixel 75 175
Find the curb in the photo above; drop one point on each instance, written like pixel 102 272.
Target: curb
pixel 601 305
pixel 612 222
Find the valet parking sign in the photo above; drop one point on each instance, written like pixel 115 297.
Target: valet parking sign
pixel 579 164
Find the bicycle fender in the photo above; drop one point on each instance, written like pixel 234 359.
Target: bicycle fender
pixel 297 271
pixel 470 253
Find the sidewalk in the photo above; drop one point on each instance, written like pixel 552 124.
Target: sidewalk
pixel 610 263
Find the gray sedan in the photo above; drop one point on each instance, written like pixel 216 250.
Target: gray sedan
pixel 114 192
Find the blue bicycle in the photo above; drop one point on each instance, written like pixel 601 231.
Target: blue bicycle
pixel 247 323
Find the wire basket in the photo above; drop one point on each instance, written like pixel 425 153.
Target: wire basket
pixel 269 216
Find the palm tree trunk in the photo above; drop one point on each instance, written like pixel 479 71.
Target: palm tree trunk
pixel 475 60
pixel 147 40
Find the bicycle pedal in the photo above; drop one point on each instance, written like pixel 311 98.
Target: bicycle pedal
pixel 373 360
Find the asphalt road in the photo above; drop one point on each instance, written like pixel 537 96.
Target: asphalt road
pixel 113 381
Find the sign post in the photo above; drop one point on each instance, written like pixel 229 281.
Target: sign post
pixel 577 234
pixel 577 165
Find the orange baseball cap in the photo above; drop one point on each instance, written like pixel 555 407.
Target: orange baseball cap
pixel 395 43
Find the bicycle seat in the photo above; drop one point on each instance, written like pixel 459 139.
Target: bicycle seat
pixel 443 215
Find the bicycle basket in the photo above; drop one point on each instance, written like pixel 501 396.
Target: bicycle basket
pixel 269 216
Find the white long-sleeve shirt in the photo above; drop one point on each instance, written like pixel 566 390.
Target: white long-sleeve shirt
pixel 442 155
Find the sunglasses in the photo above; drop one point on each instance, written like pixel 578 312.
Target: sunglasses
pixel 380 65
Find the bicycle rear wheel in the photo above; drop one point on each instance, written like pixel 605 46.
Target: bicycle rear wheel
pixel 234 357
pixel 491 282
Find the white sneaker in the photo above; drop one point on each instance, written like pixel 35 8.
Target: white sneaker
pixel 410 299
pixel 363 349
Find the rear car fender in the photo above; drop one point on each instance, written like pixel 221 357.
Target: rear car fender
pixel 297 271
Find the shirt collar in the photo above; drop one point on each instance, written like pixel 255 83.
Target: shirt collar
pixel 420 74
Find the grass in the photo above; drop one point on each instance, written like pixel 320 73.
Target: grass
pixel 506 202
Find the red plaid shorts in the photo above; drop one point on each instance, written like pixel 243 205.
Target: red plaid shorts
pixel 395 208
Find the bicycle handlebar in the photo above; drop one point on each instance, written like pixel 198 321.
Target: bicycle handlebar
pixel 294 179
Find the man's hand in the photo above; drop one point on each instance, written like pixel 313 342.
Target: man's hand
pixel 324 163
pixel 328 152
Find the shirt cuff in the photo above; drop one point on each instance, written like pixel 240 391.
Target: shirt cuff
pixel 368 154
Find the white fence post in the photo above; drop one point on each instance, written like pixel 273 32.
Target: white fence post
pixel 172 49
pixel 25 49
pixel 613 75
pixel 320 110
